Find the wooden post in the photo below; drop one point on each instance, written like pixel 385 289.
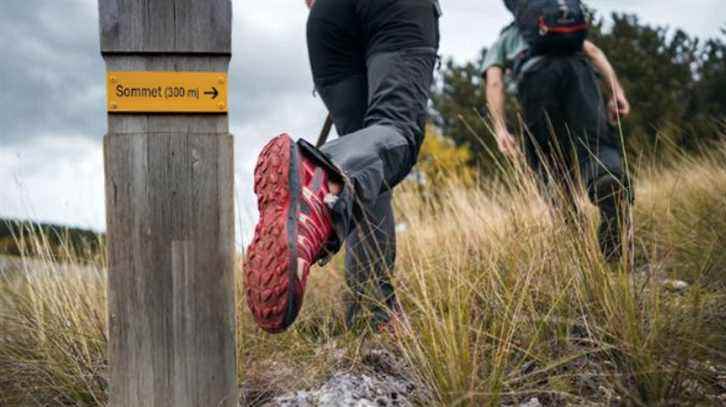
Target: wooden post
pixel 170 213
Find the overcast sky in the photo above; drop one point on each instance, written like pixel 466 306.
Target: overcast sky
pixel 52 94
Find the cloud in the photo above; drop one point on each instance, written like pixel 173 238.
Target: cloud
pixel 54 177
pixel 693 16
pixel 52 74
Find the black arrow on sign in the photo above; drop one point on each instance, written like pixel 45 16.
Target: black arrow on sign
pixel 212 92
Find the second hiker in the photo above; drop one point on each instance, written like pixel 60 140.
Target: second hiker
pixel 569 140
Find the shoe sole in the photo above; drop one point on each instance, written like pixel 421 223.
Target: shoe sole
pixel 274 292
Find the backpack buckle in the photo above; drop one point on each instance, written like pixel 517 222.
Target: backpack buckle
pixel 543 28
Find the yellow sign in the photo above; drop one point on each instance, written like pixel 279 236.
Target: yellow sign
pixel 167 92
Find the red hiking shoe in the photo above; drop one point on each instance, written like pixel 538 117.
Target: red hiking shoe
pixel 290 236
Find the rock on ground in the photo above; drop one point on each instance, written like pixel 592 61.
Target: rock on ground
pixel 347 389
pixel 534 402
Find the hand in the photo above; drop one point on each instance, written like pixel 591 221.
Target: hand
pixel 507 144
pixel 618 107
pixel 310 3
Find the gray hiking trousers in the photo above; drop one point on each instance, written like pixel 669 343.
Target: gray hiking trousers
pixel 372 64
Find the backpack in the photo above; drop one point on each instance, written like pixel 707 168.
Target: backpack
pixel 552 26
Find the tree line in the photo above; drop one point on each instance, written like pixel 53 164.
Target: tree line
pixel 62 243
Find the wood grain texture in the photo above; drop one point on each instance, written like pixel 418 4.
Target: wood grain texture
pixel 170 216
pixel 171 299
pixel 171 281
pixel 166 26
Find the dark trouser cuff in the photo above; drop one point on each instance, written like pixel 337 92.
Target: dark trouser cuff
pixel 341 211
pixel 614 201
pixel 313 153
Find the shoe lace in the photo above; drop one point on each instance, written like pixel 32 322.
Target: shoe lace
pixel 313 228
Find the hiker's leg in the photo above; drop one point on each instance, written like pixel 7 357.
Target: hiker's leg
pixel 337 56
pixel 614 201
pixel 534 97
pixel 609 188
pixel 371 247
pixel 306 198
pixel 378 157
pixel 602 165
pixel 370 258
pixel 375 159
pixel 399 84
pixel 371 244
pixel 347 101
pixel 546 134
pixel 347 98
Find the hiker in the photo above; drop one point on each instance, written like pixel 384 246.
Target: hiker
pixel 569 139
pixel 372 65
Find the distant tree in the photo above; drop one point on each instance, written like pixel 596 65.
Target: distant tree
pixel 441 159
pixel 708 108
pixel 21 238
pixel 458 102
pixel 461 111
pixel 658 70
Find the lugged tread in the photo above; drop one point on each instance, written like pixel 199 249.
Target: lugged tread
pixel 267 280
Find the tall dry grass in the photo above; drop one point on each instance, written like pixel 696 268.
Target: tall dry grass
pixel 52 325
pixel 508 300
pixel 504 299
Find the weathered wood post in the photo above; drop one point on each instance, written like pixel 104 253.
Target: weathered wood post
pixel 169 198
